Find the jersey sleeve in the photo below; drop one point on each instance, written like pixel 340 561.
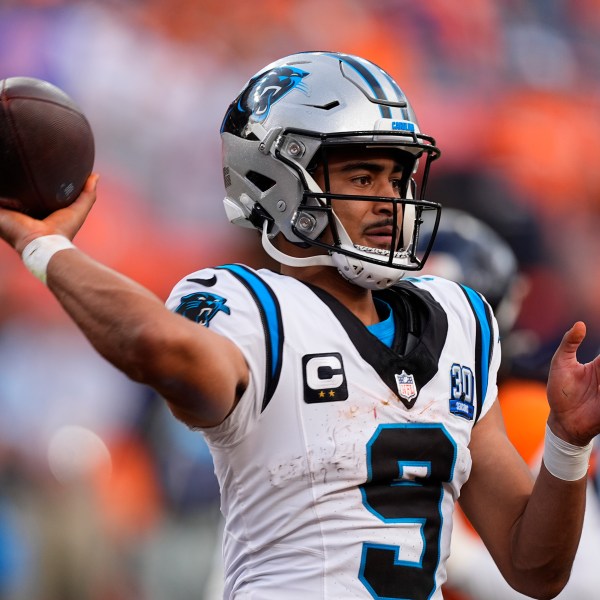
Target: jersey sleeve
pixel 488 353
pixel 472 316
pixel 494 366
pixel 217 299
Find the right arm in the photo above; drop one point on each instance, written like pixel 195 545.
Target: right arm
pixel 200 373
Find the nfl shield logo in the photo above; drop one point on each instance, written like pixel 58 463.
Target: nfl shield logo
pixel 407 388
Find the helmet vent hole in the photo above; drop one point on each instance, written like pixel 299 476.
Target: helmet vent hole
pixel 262 182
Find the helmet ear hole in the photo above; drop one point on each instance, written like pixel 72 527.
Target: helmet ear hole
pixel 262 182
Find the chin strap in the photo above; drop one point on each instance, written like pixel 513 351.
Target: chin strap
pixel 362 273
pixel 365 275
pixel 293 261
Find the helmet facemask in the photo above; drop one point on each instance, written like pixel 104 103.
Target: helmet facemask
pixel 317 224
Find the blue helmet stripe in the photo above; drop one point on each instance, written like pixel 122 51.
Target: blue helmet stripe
pixel 399 93
pixel 369 79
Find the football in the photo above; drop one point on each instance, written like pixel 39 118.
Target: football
pixel 46 147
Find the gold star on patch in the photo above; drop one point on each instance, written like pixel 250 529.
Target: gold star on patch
pixel 331 393
pixel 321 394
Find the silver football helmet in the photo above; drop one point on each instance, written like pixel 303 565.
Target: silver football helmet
pixel 282 126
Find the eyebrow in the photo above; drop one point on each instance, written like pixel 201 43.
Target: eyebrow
pixel 369 166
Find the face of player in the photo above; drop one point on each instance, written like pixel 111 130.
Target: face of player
pixel 371 173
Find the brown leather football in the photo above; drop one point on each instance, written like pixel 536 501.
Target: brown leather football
pixel 46 147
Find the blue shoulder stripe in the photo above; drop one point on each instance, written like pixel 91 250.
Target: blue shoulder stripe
pixel 270 315
pixel 483 344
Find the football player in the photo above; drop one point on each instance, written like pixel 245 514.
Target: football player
pixel 346 408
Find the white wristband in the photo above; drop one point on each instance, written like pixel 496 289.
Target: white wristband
pixel 565 461
pixel 37 253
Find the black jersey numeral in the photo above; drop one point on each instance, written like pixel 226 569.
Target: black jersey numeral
pixel 407 465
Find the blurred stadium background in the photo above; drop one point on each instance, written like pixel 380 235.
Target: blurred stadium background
pixel 102 495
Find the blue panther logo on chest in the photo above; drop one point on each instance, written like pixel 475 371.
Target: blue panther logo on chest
pixel 201 307
pixel 270 88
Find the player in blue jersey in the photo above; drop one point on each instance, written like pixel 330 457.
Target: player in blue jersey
pixel 346 408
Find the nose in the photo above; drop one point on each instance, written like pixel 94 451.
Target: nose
pixel 386 207
pixel 383 208
pixel 385 187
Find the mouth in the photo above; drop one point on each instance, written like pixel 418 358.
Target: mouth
pixel 379 236
pixel 381 252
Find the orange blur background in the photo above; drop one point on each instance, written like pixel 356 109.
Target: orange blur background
pixel 105 497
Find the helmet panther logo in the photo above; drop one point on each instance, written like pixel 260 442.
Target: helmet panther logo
pixel 201 307
pixel 271 87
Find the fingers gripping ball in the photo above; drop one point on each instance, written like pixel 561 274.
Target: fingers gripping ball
pixel 46 147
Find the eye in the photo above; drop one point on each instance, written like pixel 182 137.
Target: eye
pixel 398 184
pixel 362 180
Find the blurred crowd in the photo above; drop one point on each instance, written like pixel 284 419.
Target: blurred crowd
pixel 103 496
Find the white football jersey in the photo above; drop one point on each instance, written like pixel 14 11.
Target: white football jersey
pixel 340 466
